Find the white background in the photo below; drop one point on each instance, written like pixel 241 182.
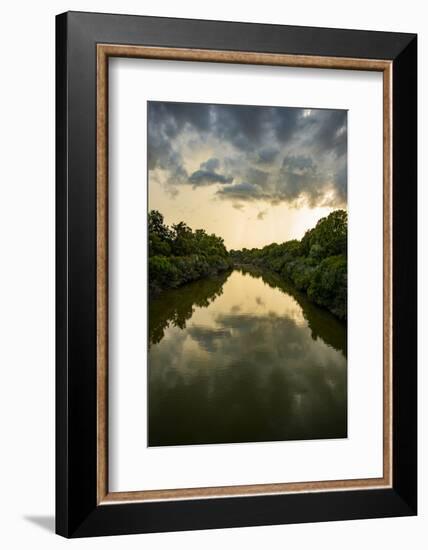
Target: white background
pixel 27 274
pixel 132 465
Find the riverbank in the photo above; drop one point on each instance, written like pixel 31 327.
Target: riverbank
pixel 175 306
pixel 176 271
pixel 333 296
pixel 179 255
pixel 321 322
pixel 316 265
pixel 256 361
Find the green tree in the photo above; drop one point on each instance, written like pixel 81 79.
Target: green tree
pixel 316 265
pixel 179 255
pixel 329 236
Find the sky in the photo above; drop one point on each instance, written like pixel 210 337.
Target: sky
pixel 250 174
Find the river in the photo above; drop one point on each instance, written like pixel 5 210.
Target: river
pixel 242 357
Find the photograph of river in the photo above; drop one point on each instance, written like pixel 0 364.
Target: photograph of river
pixel 247 259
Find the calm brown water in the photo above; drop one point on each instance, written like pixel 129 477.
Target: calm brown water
pixel 242 358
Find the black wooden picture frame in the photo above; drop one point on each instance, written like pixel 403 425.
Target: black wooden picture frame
pixel 79 511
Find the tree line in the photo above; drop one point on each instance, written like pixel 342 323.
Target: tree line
pixel 317 264
pixel 178 255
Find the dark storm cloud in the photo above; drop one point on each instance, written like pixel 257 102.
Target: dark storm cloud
pixel 328 131
pixel 301 179
pixel 276 154
pixel 266 155
pixel 173 117
pixel 256 176
pixel 210 164
pixel 341 181
pixel 242 191
pixel 298 179
pixel 285 122
pixel 205 177
pixel 300 165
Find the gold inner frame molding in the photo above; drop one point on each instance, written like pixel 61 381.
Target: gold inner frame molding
pixel 104 52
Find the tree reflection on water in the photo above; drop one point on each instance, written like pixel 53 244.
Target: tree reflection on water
pixel 241 357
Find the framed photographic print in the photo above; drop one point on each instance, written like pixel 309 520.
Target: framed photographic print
pixel 236 274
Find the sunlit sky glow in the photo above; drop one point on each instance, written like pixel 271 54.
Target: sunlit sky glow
pixel 252 175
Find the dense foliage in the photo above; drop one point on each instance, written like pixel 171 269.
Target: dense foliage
pixel 316 265
pixel 320 321
pixel 178 255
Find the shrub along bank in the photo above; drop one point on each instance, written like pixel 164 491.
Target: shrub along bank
pixel 178 255
pixel 317 264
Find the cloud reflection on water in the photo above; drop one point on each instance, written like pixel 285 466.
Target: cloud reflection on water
pixel 245 366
